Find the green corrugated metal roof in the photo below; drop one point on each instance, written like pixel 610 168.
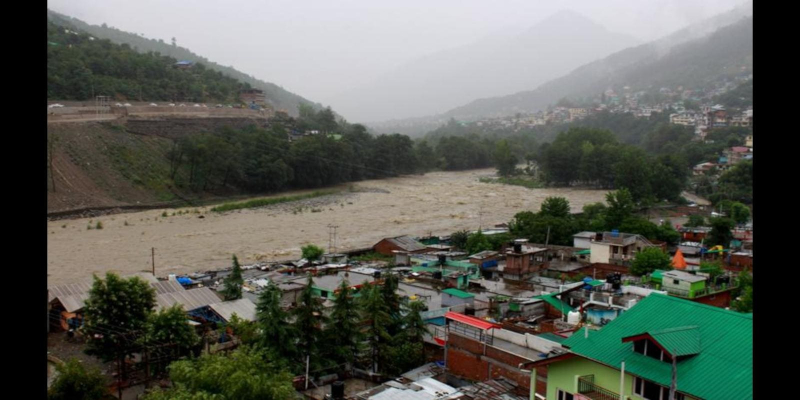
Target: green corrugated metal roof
pixel 723 369
pixel 555 302
pixel 458 293
pixel 657 274
pixel 595 283
pixel 582 252
pixel 552 337
pixel 682 341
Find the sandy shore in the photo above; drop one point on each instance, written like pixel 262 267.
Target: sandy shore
pixel 437 203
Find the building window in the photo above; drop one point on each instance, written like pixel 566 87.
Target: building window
pixel 650 349
pixel 652 391
pixel 676 282
pixel 562 395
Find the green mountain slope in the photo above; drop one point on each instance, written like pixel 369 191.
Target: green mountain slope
pixel 724 53
pixel 80 66
pixel 280 98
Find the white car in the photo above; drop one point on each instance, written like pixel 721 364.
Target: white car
pixel 171 104
pixel 205 106
pixel 127 104
pixel 118 105
pixel 55 105
pixel 153 105
pixel 197 105
pixel 219 106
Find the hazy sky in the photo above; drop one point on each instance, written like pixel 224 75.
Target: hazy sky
pixel 317 48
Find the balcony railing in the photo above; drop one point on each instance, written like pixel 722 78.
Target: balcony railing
pixel 587 387
pixel 691 294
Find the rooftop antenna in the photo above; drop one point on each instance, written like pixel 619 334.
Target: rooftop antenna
pixel 332 238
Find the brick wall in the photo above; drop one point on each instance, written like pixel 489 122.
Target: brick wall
pixel 465 360
pixel 722 299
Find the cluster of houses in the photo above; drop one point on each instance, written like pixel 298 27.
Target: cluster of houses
pixel 636 103
pixel 529 321
pixel 728 158
pixel 711 117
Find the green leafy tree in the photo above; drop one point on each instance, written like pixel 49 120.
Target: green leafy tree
pixel 312 252
pixel 278 336
pixel 414 327
pixel 641 226
pixel 388 289
pixel 737 211
pixel 376 315
pixel 744 301
pixel 634 172
pixel 649 260
pixel 245 330
pixel 620 207
pixel 76 382
pixel 168 326
pixel 344 334
pixel 712 268
pixel 426 158
pixel 667 233
pixel 557 207
pixel 116 313
pixel 593 217
pixel 233 283
pixel 478 242
pixel 535 227
pixel 737 183
pixel 308 322
pixel 696 220
pixel 403 356
pixel 504 159
pixel 720 233
pixel 244 374
pixel 459 239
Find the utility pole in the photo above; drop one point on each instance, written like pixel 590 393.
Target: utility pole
pixel 547 240
pixel 307 364
pixel 153 258
pixel 673 387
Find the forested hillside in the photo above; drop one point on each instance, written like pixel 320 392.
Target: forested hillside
pixel 80 67
pixel 280 98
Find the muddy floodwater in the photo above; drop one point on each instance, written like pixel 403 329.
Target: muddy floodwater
pixel 437 203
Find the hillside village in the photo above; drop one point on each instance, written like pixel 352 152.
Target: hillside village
pixel 512 322
pixel 646 295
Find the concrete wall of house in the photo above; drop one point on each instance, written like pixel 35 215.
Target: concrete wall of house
pixel 669 283
pixel 290 296
pixel 449 300
pixel 600 253
pixel 564 375
pixel 582 243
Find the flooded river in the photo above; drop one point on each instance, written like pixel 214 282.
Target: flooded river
pixel 437 203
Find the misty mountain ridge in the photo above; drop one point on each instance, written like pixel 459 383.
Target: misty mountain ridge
pixel 279 97
pixel 684 50
pixel 491 66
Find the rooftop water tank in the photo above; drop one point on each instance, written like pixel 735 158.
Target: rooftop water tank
pixel 573 317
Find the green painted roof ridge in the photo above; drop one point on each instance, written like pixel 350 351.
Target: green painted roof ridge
pixel 706 306
pixel 671 330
